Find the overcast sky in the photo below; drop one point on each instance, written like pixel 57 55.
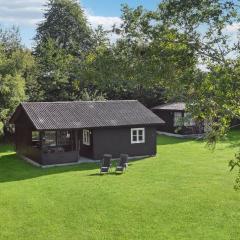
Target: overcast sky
pixel 27 13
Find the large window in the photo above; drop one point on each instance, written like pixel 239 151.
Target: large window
pixel 188 121
pixel 35 138
pixel 86 137
pixel 137 135
pixel 49 139
pixel 178 119
pixel 57 141
pixel 63 138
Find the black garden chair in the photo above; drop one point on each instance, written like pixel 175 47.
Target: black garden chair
pixel 106 163
pixel 122 163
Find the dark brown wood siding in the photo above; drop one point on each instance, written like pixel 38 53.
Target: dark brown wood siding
pixel 23 138
pixel 168 117
pixel 59 157
pixel 114 140
pixel 168 126
pixel 117 141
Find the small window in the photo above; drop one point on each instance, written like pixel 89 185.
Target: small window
pixel 86 137
pixel 63 138
pixel 188 121
pixel 35 136
pixel 178 119
pixel 49 138
pixel 137 135
pixel 35 139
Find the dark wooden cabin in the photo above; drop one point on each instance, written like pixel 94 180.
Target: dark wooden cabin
pixel 63 132
pixel 177 120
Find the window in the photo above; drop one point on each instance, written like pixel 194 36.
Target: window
pixel 188 121
pixel 178 121
pixel 35 139
pixel 86 137
pixel 49 138
pixel 57 141
pixel 63 138
pixel 137 135
pixel 35 136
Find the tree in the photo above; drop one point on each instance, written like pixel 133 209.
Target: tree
pixel 54 71
pixel 63 43
pixel 92 96
pixel 65 23
pixel 203 24
pixel 212 95
pixel 141 64
pixel 16 63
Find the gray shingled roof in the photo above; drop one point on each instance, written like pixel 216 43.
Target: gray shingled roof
pixel 81 114
pixel 180 106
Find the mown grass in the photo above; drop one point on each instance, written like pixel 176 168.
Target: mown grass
pixel 185 192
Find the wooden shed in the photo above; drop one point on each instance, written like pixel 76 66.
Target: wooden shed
pixel 63 132
pixel 177 120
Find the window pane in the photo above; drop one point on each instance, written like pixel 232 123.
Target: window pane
pixel 50 138
pixel 63 138
pixel 86 137
pixel 36 139
pixel 140 137
pixel 35 136
pixel 140 132
pixel 134 132
pixel 134 138
pixel 178 121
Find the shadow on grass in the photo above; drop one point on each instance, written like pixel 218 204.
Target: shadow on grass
pixel 167 140
pixel 113 173
pixel 13 168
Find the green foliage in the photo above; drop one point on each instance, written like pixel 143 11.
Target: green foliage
pixel 141 64
pixel 15 70
pixel 92 96
pixel 54 70
pixel 11 94
pixel 64 42
pixel 65 23
pixel 203 23
pixel 212 96
pixel 1 129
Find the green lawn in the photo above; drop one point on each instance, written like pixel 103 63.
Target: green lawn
pixel 185 192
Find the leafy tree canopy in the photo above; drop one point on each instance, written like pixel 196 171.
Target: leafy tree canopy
pixel 65 23
pixel 16 63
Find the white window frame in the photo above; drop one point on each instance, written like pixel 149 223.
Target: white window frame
pixel 137 135
pixel 86 137
pixel 177 119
